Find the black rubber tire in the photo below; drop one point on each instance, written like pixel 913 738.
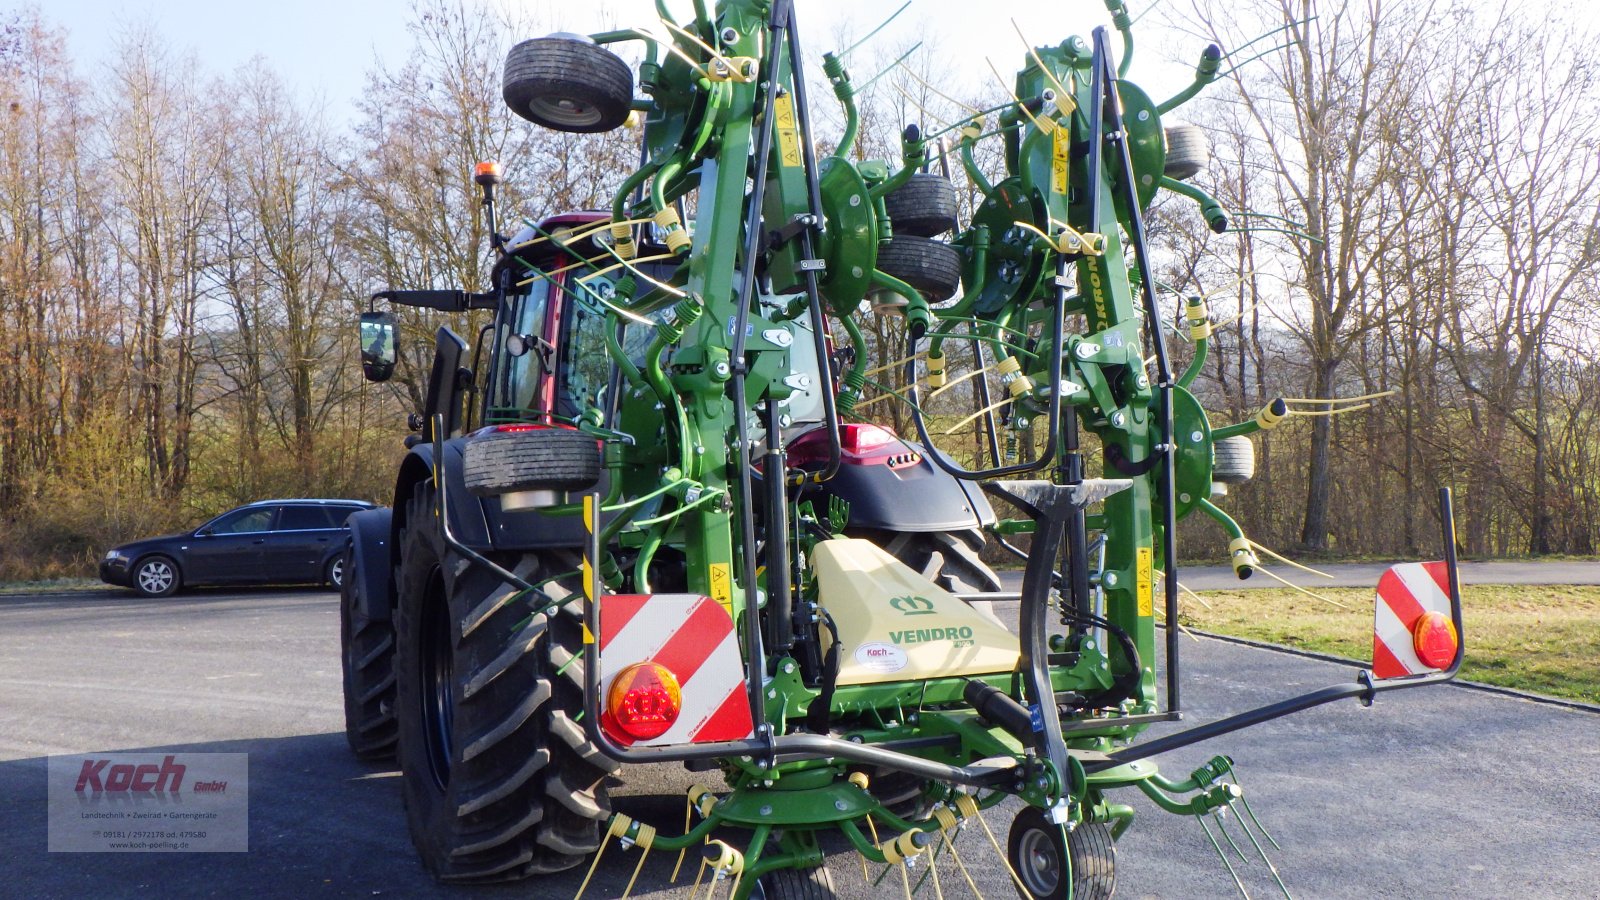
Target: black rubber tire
pixel 925 206
pixel 1038 852
pixel 932 267
pixel 367 660
pixel 1188 151
pixel 950 559
pixel 795 884
pixel 163 579
pixel 499 779
pixel 553 459
pixel 567 83
pixel 1234 460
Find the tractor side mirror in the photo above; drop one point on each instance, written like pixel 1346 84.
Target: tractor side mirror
pixel 377 345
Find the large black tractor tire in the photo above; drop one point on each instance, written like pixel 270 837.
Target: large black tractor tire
pixel 925 206
pixel 500 781
pixel 1188 151
pixel 551 459
pixel 795 884
pixel 1039 853
pixel 932 267
pixel 367 658
pixel 949 559
pixel 568 83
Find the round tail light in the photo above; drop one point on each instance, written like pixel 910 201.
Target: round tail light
pixel 644 701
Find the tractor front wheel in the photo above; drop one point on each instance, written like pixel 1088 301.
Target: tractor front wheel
pixel 500 781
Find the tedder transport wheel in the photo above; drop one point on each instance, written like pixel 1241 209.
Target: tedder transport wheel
pixel 500 781
pixel 569 83
pixel 924 206
pixel 1234 460
pixel 1037 851
pixel 1188 151
pixel 795 884
pixel 932 267
pixel 367 654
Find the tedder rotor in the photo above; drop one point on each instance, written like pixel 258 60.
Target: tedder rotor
pixel 661 531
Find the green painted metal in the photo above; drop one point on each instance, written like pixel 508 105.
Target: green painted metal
pixel 673 435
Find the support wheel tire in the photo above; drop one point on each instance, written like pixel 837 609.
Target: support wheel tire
pixel 568 83
pixel 795 884
pixel 367 658
pixel 157 576
pixel 1234 460
pixel 1188 151
pixel 499 779
pixel 550 459
pixel 925 206
pixel 932 267
pixel 1055 865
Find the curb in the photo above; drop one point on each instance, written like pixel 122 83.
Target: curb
pixel 1576 705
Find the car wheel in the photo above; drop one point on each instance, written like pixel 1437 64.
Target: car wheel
pixel 156 576
pixel 333 572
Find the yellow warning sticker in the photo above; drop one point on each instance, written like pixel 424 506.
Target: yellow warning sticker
pixel 1060 159
pixel 722 586
pixel 788 134
pixel 588 636
pixel 1144 576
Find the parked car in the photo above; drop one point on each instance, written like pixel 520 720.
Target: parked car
pixel 269 542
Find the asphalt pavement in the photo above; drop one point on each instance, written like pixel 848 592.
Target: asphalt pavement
pixel 1438 792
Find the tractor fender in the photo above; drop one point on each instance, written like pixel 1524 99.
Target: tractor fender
pixel 479 522
pixel 919 498
pixel 371 568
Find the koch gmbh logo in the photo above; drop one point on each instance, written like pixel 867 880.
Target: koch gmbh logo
pixel 913 606
pixel 142 802
pixel 100 775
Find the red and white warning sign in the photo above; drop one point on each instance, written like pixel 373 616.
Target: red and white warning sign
pixel 1412 629
pixel 670 671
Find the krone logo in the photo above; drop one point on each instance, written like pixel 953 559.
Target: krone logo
pixel 913 606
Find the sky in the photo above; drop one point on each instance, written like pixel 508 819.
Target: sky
pixel 324 48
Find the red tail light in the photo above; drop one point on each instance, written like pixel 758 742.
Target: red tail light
pixel 1435 640
pixel 644 700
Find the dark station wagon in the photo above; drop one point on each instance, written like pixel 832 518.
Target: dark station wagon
pixel 269 542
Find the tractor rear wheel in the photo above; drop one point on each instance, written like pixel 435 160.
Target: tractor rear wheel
pixel 500 781
pixel 367 655
pixel 949 559
pixel 1055 864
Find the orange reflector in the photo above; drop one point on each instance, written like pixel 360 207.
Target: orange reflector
pixel 644 700
pixel 1435 639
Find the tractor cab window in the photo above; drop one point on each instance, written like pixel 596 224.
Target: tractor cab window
pixel 584 366
pixel 523 355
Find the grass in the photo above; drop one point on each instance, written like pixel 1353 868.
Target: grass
pixel 1544 639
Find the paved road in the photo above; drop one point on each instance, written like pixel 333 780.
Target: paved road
pixel 1438 792
pixel 1220 578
